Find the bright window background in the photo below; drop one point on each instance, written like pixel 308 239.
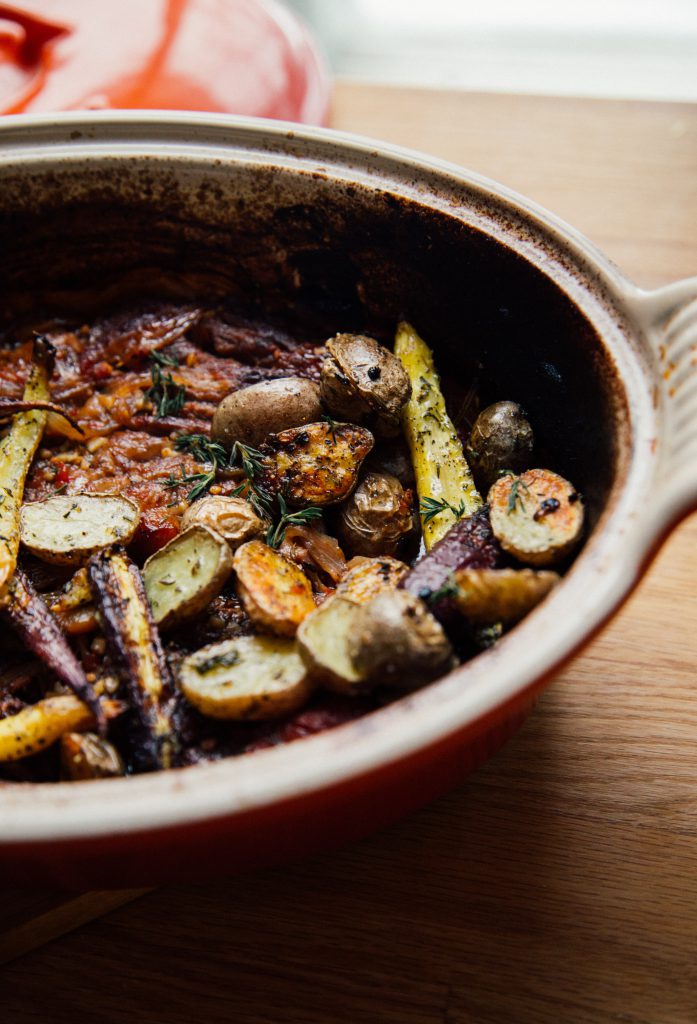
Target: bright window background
pixel 643 49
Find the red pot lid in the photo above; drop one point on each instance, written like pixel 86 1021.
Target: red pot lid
pixel 237 56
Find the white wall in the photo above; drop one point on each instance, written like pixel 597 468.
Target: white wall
pixel 621 48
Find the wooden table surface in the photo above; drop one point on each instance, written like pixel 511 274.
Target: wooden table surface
pixel 559 884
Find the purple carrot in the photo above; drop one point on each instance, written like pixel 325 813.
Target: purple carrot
pixel 31 619
pixel 469 544
pixel 11 406
pixel 134 644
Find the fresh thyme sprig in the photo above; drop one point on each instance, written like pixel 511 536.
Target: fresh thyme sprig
pixel 515 498
pixel 331 423
pixel 251 461
pixel 201 481
pixel 162 359
pixel 165 395
pixel 249 458
pixel 203 449
pixel 276 534
pixel 432 507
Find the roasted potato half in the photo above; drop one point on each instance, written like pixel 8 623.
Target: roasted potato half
pixel 364 382
pixel 316 464
pixel 249 677
pixel 376 517
pixel 324 639
pixel 486 596
pixel 368 577
pixel 184 576
pixel 537 517
pixel 68 529
pixel 251 414
pixel 233 519
pixel 396 642
pixel 275 592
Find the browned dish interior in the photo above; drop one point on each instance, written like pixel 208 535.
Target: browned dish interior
pixel 319 257
pixel 323 257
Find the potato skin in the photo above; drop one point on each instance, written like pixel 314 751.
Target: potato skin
pixel 397 642
pixel 316 464
pixel 501 438
pixel 376 517
pixel 275 593
pixel 541 521
pixel 364 382
pixel 251 414
pixel 233 518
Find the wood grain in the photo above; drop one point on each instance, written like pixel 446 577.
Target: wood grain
pixel 559 884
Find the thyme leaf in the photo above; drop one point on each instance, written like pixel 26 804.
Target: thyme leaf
pixel 162 359
pixel 164 394
pixel 203 449
pixel 201 481
pixel 276 534
pixel 226 660
pixel 432 507
pixel 250 459
pixel 515 496
pixel 332 426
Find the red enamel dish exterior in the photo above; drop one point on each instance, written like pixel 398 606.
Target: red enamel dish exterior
pixel 236 56
pixel 362 231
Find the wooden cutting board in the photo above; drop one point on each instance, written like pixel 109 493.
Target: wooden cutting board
pixel 558 884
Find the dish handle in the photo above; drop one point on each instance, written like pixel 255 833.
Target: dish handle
pixel 672 314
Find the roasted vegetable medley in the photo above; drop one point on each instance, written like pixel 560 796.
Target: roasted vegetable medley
pixel 215 537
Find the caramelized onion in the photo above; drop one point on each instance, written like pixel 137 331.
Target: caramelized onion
pixel 302 544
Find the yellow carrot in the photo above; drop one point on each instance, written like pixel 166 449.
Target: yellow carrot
pixel 17 450
pixel 40 725
pixel 444 482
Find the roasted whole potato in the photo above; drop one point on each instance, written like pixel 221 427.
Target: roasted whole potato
pixel 396 642
pixel 316 464
pixel 233 519
pixel 251 414
pixel 376 517
pixel 364 382
pixel 501 439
